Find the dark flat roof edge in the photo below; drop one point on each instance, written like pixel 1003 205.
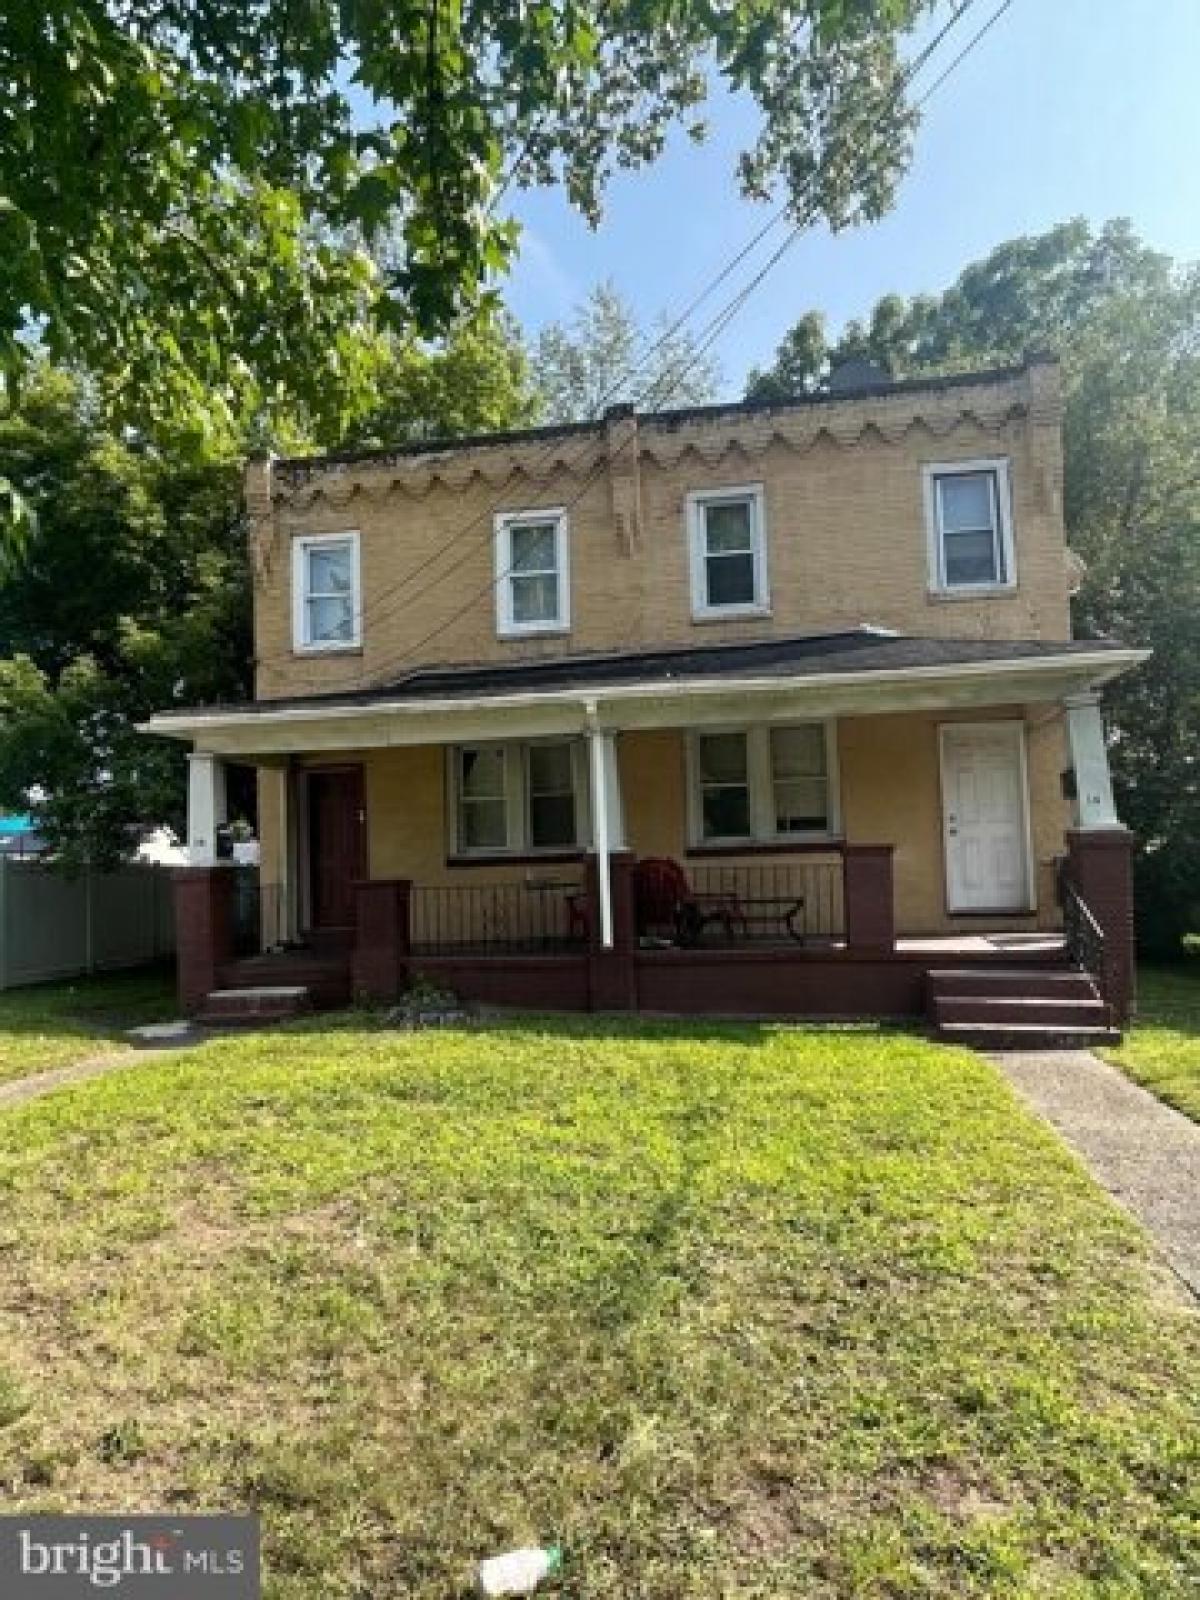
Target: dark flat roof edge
pixel 443 676
pixel 308 465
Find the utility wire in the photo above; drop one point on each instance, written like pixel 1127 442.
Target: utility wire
pixel 713 331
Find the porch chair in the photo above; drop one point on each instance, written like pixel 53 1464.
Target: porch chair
pixel 664 899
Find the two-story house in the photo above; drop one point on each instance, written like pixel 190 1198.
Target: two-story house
pixel 737 709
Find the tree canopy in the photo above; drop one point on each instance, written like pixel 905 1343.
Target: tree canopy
pixel 602 356
pixel 1126 321
pixel 191 195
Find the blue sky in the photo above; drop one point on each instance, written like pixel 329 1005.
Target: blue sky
pixel 1066 108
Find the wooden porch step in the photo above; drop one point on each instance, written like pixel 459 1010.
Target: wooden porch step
pixel 1075 1012
pixel 1021 983
pixel 250 1007
pixel 326 977
pixel 1026 1036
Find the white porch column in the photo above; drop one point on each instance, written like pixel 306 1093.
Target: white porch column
pixel 608 816
pixel 206 806
pixel 1089 757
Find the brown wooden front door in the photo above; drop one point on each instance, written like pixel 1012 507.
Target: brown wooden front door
pixel 337 844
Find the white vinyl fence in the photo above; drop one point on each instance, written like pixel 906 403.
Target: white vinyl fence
pixel 53 926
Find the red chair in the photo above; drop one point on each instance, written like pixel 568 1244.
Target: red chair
pixel 664 901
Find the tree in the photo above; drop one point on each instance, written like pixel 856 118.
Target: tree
pixel 601 356
pixel 132 592
pixel 189 194
pixel 1127 323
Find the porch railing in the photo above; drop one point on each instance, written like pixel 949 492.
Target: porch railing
pixel 497 918
pixel 262 913
pixel 1083 934
pixel 769 902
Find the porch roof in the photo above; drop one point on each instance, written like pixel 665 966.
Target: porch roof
pixel 854 672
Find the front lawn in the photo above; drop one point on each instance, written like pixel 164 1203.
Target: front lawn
pixel 1162 1049
pixel 729 1311
pixel 54 1024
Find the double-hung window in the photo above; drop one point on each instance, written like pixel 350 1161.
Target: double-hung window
pixel 728 553
pixel 517 797
pixel 970 526
pixel 533 581
pixel 762 784
pixel 326 603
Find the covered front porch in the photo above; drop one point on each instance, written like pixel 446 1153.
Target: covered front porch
pixel 788 843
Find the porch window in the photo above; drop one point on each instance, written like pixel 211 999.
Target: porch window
pixel 724 776
pixel 551 792
pixel 326 609
pixel 517 797
pixel 532 578
pixel 483 797
pixel 799 779
pixel 970 526
pixel 728 553
pixel 758 785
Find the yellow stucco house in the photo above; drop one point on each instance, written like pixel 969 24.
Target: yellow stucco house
pixel 741 709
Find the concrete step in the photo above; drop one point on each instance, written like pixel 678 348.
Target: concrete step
pixel 1089 1012
pixel 1025 1036
pixel 327 978
pixel 1050 983
pixel 251 1007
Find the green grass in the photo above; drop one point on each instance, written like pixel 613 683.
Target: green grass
pixel 730 1311
pixel 1162 1049
pixel 55 1024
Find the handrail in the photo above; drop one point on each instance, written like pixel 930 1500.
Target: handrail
pixel 1084 935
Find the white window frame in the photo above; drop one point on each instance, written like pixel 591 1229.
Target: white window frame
pixel 301 546
pixel 931 472
pixel 507 627
pixel 761 776
pixel 695 506
pixel 517 791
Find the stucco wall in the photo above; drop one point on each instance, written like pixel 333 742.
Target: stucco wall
pixel 890 794
pixel 845 521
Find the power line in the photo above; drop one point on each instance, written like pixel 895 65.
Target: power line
pixel 715 328
pixel 378 607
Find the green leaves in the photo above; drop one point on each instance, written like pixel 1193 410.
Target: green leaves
pixel 183 186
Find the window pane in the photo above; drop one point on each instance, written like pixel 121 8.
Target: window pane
pixel 551 819
pixel 330 569
pixel 727 527
pixel 534 599
pixel 331 621
pixel 722 758
pixel 798 752
pixel 726 812
pixel 730 580
pixel 550 769
pixel 482 772
pixel 484 825
pixel 970 558
pixel 801 805
pixel 532 547
pixel 967 500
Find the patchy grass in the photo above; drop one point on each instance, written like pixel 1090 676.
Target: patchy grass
pixel 730 1311
pixel 1162 1049
pixel 54 1024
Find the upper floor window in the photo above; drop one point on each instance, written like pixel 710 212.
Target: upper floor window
pixel 755 785
pixel 533 585
pixel 727 548
pixel 970 526
pixel 326 603
pixel 518 797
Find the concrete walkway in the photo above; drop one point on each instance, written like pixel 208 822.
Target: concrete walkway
pixel 1146 1154
pixel 154 1037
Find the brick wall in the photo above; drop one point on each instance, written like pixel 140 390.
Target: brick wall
pixel 845 529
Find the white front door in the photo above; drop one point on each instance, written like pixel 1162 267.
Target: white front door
pixel 985 816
